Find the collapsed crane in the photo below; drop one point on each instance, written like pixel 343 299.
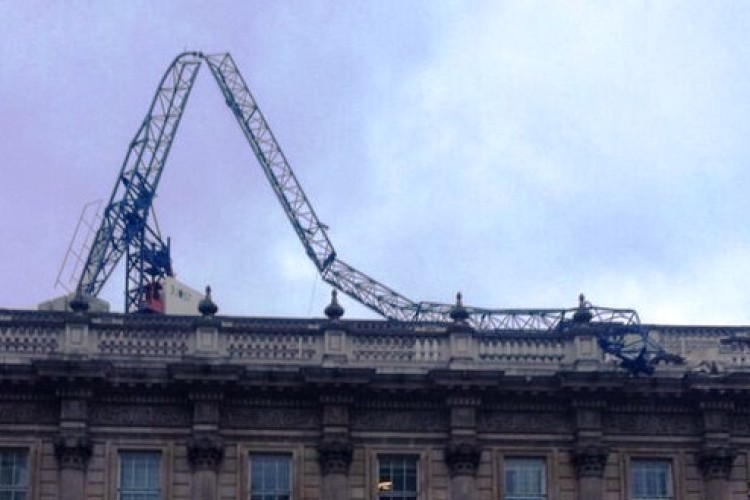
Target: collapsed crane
pixel 127 229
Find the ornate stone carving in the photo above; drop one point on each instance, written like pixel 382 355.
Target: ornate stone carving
pixel 524 422
pixel 462 458
pixel 651 423
pixel 72 452
pixel 335 455
pixel 205 452
pixel 270 418
pixel 716 462
pixel 589 461
pixel 18 412
pixel 394 420
pixel 140 415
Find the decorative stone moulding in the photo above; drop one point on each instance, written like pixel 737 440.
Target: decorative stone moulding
pixel 462 458
pixel 590 461
pixel 72 452
pixel 205 452
pixel 335 455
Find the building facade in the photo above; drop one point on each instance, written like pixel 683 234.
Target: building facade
pixel 105 406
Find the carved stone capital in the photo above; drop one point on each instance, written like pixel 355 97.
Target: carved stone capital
pixel 335 455
pixel 72 452
pixel 205 452
pixel 462 458
pixel 716 462
pixel 589 461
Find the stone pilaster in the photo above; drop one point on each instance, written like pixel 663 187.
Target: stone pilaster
pixel 205 449
pixel 72 446
pixel 335 449
pixel 716 456
pixel 463 453
pixel 589 456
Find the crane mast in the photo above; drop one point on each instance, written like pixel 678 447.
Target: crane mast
pixel 126 229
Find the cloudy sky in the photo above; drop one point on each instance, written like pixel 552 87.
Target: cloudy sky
pixel 521 152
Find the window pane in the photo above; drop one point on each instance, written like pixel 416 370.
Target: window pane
pixel 139 475
pixel 651 479
pixel 525 479
pixel 270 477
pixel 397 477
pixel 13 474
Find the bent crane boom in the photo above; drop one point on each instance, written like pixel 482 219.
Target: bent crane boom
pixel 126 227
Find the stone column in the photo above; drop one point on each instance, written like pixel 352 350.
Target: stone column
pixel 205 448
pixel 717 455
pixel 205 454
pixel 335 449
pixel 716 466
pixel 72 446
pixel 335 455
pixel 589 455
pixel 462 455
pixel 462 459
pixel 589 464
pixel 72 454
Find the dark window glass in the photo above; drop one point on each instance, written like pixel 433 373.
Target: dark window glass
pixel 397 477
pixel 139 475
pixel 270 477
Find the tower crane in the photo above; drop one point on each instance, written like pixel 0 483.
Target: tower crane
pixel 127 229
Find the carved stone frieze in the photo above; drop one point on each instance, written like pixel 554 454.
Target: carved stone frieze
pixel 589 461
pixel 72 452
pixel 414 420
pixel 140 415
pixel 21 412
pixel 716 462
pixel 462 458
pixel 547 422
pixel 651 423
pixel 335 455
pixel 205 452
pixel 270 418
pixel 335 415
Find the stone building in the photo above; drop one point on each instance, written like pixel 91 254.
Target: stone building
pixel 105 406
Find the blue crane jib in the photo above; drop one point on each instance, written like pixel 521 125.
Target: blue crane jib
pixel 127 228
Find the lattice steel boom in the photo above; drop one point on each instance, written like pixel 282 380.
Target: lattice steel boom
pixel 126 230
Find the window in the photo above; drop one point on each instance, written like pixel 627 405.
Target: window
pixel 270 477
pixel 397 477
pixel 651 479
pixel 139 475
pixel 525 479
pixel 13 476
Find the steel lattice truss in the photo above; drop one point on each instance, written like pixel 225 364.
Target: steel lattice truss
pixel 126 228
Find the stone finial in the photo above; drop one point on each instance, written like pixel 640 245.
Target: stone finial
pixel 79 303
pixel 334 311
pixel 458 313
pixel 206 306
pixel 583 313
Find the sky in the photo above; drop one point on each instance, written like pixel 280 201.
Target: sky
pixel 519 152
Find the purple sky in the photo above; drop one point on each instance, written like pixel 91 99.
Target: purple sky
pixel 521 152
